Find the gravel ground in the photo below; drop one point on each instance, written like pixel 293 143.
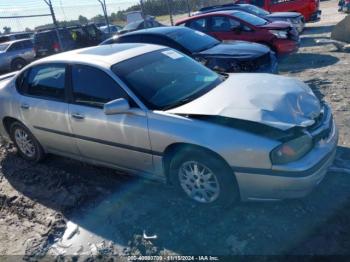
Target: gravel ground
pixel 64 207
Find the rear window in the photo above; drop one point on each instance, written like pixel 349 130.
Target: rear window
pixel 44 36
pixel 256 10
pixel 195 41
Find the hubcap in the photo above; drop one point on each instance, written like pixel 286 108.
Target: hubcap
pixel 25 144
pixel 199 182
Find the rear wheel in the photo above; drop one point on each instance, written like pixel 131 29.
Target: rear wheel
pixel 18 64
pixel 27 145
pixel 204 178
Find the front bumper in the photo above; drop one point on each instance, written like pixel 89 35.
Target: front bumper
pixel 299 26
pixel 293 180
pixel 316 16
pixel 286 46
pixel 271 68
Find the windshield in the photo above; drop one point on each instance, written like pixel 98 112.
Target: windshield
pixel 3 47
pixel 133 25
pixel 193 40
pixel 256 10
pixel 166 78
pixel 111 27
pixel 251 19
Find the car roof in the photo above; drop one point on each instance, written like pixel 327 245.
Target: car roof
pixel 17 40
pixel 230 5
pixel 224 12
pixel 164 30
pixel 103 55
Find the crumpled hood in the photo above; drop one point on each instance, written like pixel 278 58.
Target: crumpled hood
pixel 277 25
pixel 284 15
pixel 237 49
pixel 276 101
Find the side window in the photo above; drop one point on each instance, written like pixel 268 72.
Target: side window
pixel 47 81
pixel 15 47
pixel 198 24
pixel 156 40
pixel 93 87
pixel 20 86
pixel 27 44
pixel 223 24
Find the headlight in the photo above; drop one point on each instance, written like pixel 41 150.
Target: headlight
pixel 279 34
pixel 291 150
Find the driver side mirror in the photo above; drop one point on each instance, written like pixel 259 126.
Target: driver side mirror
pixel 118 106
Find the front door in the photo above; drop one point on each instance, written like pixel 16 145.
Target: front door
pixel 225 29
pixel 122 139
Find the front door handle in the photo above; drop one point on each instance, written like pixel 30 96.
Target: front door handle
pixel 25 106
pixel 78 116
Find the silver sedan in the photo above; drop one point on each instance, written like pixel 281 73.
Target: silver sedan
pixel 152 111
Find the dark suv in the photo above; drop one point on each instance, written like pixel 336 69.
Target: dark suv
pixel 86 35
pixel 47 42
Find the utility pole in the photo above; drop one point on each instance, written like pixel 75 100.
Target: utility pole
pixel 142 10
pixel 104 9
pixel 169 2
pixel 48 2
pixel 188 7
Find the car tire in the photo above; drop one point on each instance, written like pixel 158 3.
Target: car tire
pixel 28 146
pixel 212 175
pixel 18 64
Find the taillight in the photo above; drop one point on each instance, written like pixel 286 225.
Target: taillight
pixel 56 47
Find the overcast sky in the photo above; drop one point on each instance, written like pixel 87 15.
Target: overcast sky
pixel 64 9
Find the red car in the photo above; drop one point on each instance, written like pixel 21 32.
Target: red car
pixel 310 9
pixel 238 25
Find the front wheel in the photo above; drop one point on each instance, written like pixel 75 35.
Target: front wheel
pixel 204 178
pixel 27 145
pixel 18 64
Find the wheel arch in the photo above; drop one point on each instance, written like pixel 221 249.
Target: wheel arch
pixel 7 121
pixel 172 149
pixel 18 58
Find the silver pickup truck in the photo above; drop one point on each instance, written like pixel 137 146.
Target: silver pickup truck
pixel 14 55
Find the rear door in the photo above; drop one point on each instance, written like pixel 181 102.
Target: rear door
pixel 120 140
pixel 43 107
pixel 200 24
pixel 43 43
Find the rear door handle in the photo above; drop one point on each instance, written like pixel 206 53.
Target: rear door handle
pixel 25 106
pixel 78 116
